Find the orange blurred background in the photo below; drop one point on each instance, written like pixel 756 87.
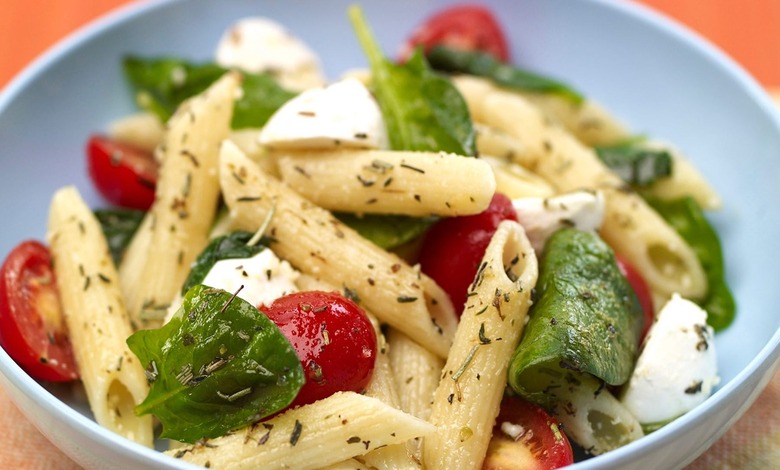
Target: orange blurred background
pixel 749 31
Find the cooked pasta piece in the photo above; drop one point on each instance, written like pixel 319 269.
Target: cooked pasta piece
pixel 595 126
pixel 316 243
pixel 383 387
pixel 468 397
pixel 143 130
pixel 594 418
pixel 515 181
pixel 326 432
pixel 417 373
pixel 685 180
pixel 185 200
pixel 349 464
pixel 390 182
pixel 96 317
pixel 588 121
pixel 630 226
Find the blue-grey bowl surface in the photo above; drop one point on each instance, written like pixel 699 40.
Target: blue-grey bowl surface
pixel 656 76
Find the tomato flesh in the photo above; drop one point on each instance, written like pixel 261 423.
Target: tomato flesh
pixel 32 331
pixel 334 339
pixel 454 247
pixel 463 27
pixel 642 293
pixel 123 174
pixel 525 436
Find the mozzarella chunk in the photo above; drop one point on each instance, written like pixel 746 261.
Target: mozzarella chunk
pixel 261 45
pixel 676 370
pixel 541 217
pixel 342 114
pixel 264 276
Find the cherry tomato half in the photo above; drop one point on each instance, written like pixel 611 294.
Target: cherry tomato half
pixel 334 339
pixel 525 436
pixel 642 293
pixel 464 27
pixel 32 331
pixel 125 175
pixel 454 247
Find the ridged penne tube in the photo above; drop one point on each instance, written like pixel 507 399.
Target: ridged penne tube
pixel 417 373
pixel 97 321
pixel 588 121
pixel 185 200
pixel 515 181
pixel 316 243
pixel 142 130
pixel 468 397
pixel 390 182
pixel 663 258
pixel 685 180
pixel 383 387
pixel 326 432
pixel 349 464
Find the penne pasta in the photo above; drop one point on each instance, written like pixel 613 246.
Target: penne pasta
pixel 96 317
pixel 417 373
pixel 329 431
pixel 685 180
pixel 313 241
pixel 467 400
pixel 185 201
pixel 390 182
pixel 515 182
pixel 631 227
pixel 588 121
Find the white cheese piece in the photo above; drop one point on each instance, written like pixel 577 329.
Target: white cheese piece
pixel 343 114
pixel 258 45
pixel 264 276
pixel 541 217
pixel 676 370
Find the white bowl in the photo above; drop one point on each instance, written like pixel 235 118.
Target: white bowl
pixel 658 77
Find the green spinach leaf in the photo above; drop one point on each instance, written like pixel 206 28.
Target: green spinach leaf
pixel 485 65
pixel 635 163
pixel 422 109
pixel 585 319
pixel 387 231
pixel 230 246
pixel 163 84
pixel 218 365
pixel 119 226
pixel 688 219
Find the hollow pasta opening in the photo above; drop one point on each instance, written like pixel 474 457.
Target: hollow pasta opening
pixel 669 264
pixel 120 403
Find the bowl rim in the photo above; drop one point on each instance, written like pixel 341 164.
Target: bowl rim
pixel 763 364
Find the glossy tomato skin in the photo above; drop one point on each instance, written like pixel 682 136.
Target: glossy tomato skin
pixel 32 331
pixel 642 292
pixel 454 247
pixel 534 439
pixel 464 27
pixel 334 339
pixel 123 174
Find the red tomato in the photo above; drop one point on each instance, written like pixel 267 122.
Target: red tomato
pixel 32 331
pixel 334 339
pixel 469 27
pixel 525 436
pixel 454 247
pixel 642 293
pixel 125 175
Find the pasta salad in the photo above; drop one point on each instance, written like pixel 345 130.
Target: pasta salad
pixel 443 261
